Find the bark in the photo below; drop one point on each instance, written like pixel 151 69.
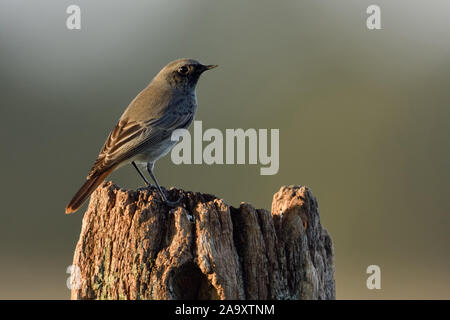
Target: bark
pixel 132 246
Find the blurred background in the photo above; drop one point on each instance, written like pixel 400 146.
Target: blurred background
pixel 363 118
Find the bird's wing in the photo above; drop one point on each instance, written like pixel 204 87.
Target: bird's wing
pixel 129 137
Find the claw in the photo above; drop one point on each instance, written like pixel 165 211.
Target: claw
pixel 173 203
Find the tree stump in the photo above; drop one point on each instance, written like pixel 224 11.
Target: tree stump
pixel 132 246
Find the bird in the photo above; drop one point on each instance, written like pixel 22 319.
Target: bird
pixel 143 133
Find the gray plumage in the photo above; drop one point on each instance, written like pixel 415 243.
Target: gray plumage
pixel 143 133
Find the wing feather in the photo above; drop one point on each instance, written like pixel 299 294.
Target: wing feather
pixel 128 138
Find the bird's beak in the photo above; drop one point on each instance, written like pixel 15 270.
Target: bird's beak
pixel 211 66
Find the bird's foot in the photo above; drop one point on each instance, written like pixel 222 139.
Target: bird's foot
pixel 173 203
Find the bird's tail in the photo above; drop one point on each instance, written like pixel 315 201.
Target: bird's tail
pixel 86 189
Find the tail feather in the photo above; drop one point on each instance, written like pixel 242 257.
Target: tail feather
pixel 86 189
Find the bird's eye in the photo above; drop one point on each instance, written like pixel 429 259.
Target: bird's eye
pixel 183 70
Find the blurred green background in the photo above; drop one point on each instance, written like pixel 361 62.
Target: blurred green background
pixel 363 117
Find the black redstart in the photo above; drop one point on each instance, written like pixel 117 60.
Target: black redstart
pixel 143 133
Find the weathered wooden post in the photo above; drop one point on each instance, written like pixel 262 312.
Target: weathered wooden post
pixel 132 246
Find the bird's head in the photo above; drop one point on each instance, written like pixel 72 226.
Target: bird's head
pixel 183 74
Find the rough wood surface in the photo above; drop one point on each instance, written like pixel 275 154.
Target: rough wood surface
pixel 132 246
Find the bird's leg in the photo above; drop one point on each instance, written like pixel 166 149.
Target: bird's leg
pixel 150 171
pixel 141 174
